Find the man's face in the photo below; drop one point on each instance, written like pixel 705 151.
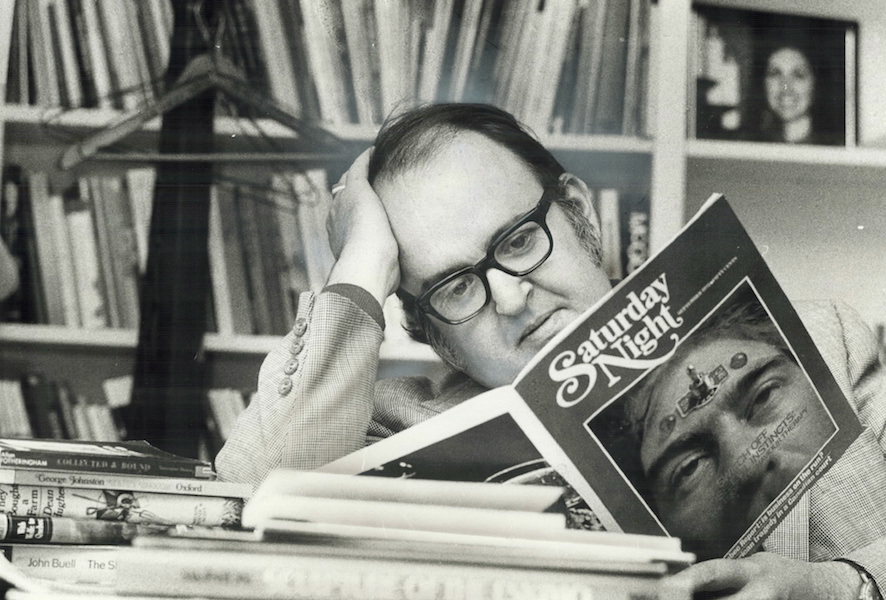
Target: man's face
pixel 714 470
pixel 789 84
pixel 445 214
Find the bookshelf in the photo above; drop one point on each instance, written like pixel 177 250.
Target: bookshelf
pixel 770 185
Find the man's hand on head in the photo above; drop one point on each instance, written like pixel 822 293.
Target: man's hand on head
pixel 766 576
pixel 360 235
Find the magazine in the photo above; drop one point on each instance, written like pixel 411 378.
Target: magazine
pixel 689 402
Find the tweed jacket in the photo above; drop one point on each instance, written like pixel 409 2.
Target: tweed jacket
pixel 318 399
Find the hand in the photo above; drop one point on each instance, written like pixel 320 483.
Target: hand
pixel 360 235
pixel 766 576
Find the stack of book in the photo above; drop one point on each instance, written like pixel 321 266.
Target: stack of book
pixel 327 536
pixel 65 506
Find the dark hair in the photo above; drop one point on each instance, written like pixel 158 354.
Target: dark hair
pixel 407 140
pixel 416 135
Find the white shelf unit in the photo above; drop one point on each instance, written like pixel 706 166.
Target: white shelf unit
pixel 817 212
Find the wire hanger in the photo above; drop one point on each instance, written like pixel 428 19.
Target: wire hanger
pixel 210 70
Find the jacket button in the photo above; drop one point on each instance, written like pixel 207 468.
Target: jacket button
pixel 296 346
pixel 291 366
pixel 301 325
pixel 285 386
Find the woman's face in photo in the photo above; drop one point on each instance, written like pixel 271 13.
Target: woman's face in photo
pixel 789 84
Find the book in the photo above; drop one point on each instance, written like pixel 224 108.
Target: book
pixel 314 199
pixel 120 505
pixel 41 225
pixel 133 483
pixel 235 279
pixel 316 484
pixel 610 232
pixel 7 17
pixel 96 50
pixel 44 417
pixel 361 54
pixel 16 422
pixel 402 516
pixel 84 250
pixel 69 563
pixel 116 229
pixel 272 38
pixel 609 104
pixel 46 79
pixel 393 505
pixel 98 201
pixel 62 256
pixel 611 405
pixel 136 457
pixel 65 55
pixel 16 307
pixel 222 302
pixel 451 520
pixel 321 572
pixel 33 529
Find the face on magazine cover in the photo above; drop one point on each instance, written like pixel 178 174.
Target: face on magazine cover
pixel 447 210
pixel 730 424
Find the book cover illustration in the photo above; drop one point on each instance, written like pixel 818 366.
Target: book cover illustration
pixel 120 505
pixel 690 402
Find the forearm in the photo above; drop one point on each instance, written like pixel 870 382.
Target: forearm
pixel 315 393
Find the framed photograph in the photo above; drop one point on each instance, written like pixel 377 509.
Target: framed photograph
pixel 772 77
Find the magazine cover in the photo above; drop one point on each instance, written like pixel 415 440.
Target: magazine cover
pixel 689 402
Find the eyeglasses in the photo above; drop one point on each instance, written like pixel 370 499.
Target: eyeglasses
pixel 519 250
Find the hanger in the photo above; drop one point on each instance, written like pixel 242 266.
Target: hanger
pixel 210 70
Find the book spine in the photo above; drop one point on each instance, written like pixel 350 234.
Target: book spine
pixel 221 289
pixel 37 392
pixel 274 43
pixel 71 564
pixel 42 224
pixel 19 424
pixel 159 485
pixel 219 574
pixel 7 17
pixel 62 255
pixel 84 250
pixel 63 530
pixel 124 465
pixel 119 505
pixel 402 515
pixel 635 231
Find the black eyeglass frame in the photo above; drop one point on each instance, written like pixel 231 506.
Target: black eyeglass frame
pixel 537 215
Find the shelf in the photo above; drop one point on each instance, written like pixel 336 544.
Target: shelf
pixel 31 120
pixel 801 154
pixel 778 162
pixel 118 339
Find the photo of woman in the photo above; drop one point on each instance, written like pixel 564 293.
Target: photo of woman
pixel 767 77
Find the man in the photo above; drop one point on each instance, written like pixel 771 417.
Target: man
pixel 441 211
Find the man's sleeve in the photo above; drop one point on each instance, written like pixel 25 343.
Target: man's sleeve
pixel 315 394
pixel 867 378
